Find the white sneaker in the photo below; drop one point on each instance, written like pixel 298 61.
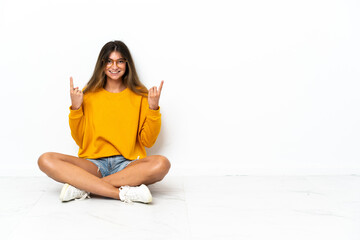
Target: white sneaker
pixel 135 194
pixel 69 192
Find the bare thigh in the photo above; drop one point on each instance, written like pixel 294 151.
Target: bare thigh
pixel 80 162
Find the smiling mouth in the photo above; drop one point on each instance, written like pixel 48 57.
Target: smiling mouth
pixel 114 71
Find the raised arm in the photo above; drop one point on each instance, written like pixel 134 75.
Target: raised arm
pixel 76 116
pixel 152 123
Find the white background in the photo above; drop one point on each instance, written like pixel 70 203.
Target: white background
pixel 251 87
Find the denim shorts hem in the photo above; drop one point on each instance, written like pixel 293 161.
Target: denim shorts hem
pixel 110 165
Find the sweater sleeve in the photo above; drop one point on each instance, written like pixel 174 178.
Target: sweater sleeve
pixel 76 122
pixel 150 128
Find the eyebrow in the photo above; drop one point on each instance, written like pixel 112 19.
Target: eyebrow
pixel 117 59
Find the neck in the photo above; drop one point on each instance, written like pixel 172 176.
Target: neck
pixel 114 86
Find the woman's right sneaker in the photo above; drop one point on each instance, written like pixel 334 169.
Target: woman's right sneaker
pixel 69 193
pixel 135 194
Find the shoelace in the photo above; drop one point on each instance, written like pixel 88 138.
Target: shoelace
pixel 84 195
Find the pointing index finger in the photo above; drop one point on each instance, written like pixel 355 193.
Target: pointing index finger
pixel 71 83
pixel 161 85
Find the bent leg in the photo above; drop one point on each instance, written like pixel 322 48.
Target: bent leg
pixel 77 172
pixel 143 171
pixel 80 162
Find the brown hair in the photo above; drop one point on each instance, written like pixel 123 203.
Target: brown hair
pixel 130 78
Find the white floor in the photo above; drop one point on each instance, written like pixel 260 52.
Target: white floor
pixel 229 207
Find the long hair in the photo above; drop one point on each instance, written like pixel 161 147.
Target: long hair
pixel 130 78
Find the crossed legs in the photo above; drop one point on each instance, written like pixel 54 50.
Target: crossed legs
pixel 84 174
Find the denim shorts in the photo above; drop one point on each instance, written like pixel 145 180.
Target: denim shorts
pixel 110 165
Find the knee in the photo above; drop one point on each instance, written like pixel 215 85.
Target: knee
pixel 45 161
pixel 161 165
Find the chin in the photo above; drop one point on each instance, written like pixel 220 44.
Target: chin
pixel 114 78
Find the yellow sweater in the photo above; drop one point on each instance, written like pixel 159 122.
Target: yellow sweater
pixel 110 124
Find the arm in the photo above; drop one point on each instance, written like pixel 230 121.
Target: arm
pixel 150 128
pixel 76 116
pixel 76 122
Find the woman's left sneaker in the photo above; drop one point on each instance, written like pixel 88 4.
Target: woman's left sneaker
pixel 135 194
pixel 69 193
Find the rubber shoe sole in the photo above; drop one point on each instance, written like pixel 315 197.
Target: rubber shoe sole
pixel 63 191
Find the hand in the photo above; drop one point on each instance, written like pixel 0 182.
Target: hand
pixel 154 96
pixel 76 96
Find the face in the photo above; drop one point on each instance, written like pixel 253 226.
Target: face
pixel 115 66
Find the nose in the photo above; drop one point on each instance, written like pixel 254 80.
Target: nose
pixel 114 65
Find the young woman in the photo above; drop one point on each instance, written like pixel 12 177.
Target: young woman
pixel 112 121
